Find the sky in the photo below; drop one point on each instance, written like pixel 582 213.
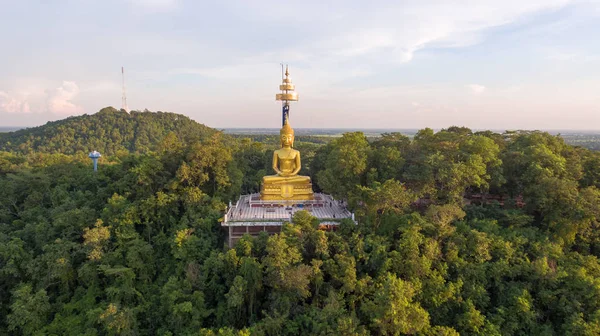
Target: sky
pixel 527 64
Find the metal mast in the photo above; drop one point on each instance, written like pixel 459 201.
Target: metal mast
pixel 124 97
pixel 287 95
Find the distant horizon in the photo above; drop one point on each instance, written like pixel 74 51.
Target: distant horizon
pixel 240 130
pixel 275 118
pixel 10 128
pixel 408 129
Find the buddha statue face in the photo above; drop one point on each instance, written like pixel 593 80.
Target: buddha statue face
pixel 286 135
pixel 287 140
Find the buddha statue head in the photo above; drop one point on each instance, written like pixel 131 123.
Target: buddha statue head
pixel 286 135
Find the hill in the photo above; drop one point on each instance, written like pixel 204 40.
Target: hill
pixel 107 131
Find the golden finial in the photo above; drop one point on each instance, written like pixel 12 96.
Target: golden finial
pixel 287 88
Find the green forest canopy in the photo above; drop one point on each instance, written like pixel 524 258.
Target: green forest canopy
pixel 137 248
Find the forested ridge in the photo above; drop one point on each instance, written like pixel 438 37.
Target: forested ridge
pixel 108 131
pixel 137 248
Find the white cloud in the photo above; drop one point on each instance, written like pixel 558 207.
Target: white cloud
pixel 392 33
pixel 476 88
pixel 33 95
pixel 59 100
pixel 12 104
pixel 341 42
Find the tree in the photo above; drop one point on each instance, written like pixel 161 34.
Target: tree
pixel 392 309
pixel 443 165
pixel 29 311
pixel 346 165
pixel 391 196
pixel 284 272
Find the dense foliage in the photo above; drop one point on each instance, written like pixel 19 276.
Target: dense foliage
pixel 137 249
pixel 108 131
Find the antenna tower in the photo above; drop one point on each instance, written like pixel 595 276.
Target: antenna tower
pixel 124 97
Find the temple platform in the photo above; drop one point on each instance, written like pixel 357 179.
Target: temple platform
pixel 251 215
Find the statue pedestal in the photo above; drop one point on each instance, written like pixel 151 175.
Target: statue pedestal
pixel 292 191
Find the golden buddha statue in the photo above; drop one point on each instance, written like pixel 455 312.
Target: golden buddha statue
pixel 287 184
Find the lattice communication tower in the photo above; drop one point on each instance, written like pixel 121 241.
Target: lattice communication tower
pixel 124 97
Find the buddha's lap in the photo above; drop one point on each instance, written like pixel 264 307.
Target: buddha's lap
pixel 276 179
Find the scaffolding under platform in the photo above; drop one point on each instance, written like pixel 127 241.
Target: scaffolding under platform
pixel 251 215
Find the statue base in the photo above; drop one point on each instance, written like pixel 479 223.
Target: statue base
pixel 300 192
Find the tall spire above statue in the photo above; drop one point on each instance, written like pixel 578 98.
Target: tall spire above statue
pixel 287 94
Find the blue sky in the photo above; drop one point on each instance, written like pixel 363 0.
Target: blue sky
pixel 376 64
